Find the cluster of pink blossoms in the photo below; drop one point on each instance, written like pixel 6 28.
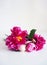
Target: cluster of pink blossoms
pixel 19 40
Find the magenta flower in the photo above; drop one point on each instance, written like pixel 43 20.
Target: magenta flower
pixel 16 38
pixel 40 41
pixel 20 40
pixel 15 31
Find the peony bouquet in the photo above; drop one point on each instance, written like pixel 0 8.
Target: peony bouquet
pixel 20 40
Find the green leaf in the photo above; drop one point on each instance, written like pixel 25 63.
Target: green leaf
pixel 32 32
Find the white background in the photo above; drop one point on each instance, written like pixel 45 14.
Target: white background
pixel 27 14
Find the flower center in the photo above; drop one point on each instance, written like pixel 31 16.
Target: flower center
pixel 19 38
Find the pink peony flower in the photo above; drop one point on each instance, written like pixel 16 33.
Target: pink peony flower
pixel 16 38
pixel 30 47
pixel 40 41
pixel 19 40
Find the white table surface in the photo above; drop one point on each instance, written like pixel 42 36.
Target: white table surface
pixel 8 57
